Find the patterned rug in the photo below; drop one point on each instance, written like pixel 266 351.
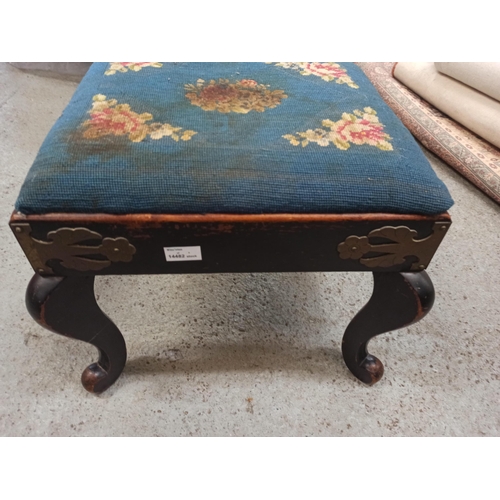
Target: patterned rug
pixel 474 158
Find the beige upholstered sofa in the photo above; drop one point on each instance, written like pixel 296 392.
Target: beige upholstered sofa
pixel 468 92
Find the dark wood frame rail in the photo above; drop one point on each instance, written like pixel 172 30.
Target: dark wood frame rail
pixel 67 251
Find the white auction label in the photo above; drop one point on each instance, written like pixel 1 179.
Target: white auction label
pixel 174 254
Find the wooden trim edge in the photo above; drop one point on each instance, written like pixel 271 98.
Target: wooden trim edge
pixel 144 219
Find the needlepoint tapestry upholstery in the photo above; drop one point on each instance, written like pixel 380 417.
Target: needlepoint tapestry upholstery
pixel 229 138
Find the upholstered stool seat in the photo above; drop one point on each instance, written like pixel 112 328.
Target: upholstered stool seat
pixel 227 167
pixel 189 138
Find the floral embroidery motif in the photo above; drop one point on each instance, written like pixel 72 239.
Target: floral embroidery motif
pixel 123 67
pixel 239 97
pixel 358 127
pixel 329 71
pixel 107 117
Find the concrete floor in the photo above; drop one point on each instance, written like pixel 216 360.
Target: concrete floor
pixel 249 355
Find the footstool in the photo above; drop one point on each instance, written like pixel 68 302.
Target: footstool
pixel 171 168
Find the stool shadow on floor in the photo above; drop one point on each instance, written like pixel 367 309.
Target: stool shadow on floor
pixel 229 322
pixel 321 362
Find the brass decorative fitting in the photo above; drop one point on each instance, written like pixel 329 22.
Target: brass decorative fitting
pixel 402 243
pixel 66 246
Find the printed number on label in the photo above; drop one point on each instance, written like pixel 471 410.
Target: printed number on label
pixel 175 254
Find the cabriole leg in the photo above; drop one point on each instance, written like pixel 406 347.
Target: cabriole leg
pixel 398 300
pixel 67 305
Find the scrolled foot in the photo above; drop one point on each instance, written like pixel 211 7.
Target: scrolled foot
pixel 398 300
pixel 371 370
pixel 95 378
pixel 66 305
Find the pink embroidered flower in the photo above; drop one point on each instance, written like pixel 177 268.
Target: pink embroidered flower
pixel 117 121
pixel 359 127
pixel 360 131
pixel 141 64
pixel 123 67
pixel 107 117
pixel 324 69
pixel 328 71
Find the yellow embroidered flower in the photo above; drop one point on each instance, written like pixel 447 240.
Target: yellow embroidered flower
pixel 358 127
pixel 123 67
pixel 319 136
pixel 238 97
pixel 292 139
pixel 159 130
pixel 107 117
pixel 187 134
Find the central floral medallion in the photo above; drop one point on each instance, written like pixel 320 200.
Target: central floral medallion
pixel 242 96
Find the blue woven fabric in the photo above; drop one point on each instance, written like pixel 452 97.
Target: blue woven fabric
pixel 230 138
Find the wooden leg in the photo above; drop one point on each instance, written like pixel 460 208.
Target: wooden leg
pixel 66 305
pixel 398 300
